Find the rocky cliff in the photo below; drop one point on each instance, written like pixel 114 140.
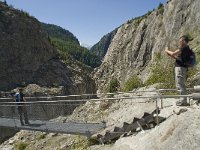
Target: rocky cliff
pixel 100 48
pixel 27 56
pixel 136 42
pixel 23 49
pixel 132 51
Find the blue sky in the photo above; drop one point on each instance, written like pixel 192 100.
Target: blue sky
pixel 88 20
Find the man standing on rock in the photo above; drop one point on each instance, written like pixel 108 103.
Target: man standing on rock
pixel 180 67
pixel 19 97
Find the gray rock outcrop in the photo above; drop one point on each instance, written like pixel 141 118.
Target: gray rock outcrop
pixel 23 49
pixel 135 44
pixel 27 57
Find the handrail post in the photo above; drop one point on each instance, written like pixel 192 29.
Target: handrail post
pixel 161 99
pixel 157 111
pixel 13 109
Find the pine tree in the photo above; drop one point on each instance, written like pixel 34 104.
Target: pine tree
pixel 5 3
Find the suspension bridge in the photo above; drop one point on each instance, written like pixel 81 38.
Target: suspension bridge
pixel 44 113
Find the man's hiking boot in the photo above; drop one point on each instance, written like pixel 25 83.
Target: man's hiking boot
pixel 181 103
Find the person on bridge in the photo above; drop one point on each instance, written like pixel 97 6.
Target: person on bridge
pixel 19 97
pixel 180 67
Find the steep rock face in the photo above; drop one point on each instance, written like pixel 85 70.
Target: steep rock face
pixel 74 79
pixel 27 56
pixel 23 49
pixel 101 47
pixel 136 42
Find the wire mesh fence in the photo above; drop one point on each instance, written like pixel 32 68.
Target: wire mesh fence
pixel 41 108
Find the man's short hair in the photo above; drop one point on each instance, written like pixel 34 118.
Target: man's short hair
pixel 185 38
pixel 20 89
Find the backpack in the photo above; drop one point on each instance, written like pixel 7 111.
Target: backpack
pixel 190 60
pixel 17 97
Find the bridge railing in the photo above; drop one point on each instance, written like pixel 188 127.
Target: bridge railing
pixel 44 112
pixel 39 110
pixel 50 107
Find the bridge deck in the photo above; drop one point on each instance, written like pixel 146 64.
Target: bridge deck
pixel 86 129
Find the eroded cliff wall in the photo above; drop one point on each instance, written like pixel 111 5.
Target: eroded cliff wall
pixel 136 42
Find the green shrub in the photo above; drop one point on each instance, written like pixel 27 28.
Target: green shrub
pixel 93 141
pixel 160 9
pixel 24 13
pixel 164 75
pixel 131 83
pixel 138 20
pixel 160 5
pixel 113 86
pixel 191 72
pixel 41 136
pixel 161 73
pixel 80 142
pixel 22 146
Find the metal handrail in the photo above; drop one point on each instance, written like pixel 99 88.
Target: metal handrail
pixel 101 99
pixel 100 94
